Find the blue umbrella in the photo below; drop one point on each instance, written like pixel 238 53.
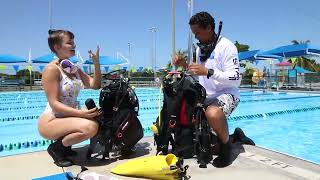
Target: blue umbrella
pixel 7 58
pixel 248 55
pixel 260 56
pixel 107 60
pixel 292 50
pixel 255 55
pixel 314 50
pixel 50 57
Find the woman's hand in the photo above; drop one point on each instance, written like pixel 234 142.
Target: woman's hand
pixel 95 82
pixel 90 114
pixel 95 56
pixel 198 69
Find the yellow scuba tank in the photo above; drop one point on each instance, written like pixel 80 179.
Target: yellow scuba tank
pixel 153 127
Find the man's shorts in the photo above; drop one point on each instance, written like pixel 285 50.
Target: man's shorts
pixel 226 102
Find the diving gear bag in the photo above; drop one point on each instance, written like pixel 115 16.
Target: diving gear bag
pixel 120 124
pixel 182 122
pixel 129 130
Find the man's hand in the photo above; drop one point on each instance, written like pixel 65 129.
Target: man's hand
pixel 179 60
pixel 198 69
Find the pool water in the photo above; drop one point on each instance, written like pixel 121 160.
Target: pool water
pixel 280 121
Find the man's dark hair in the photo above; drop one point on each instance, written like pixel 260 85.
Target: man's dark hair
pixel 55 37
pixel 203 20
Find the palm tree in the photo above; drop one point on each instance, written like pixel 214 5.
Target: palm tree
pixel 300 42
pixel 302 61
pixel 241 47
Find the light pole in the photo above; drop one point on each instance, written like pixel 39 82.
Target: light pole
pixel 50 14
pixel 173 31
pixel 190 39
pixel 129 66
pixel 153 30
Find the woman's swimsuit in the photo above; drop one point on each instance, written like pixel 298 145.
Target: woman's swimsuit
pixel 69 90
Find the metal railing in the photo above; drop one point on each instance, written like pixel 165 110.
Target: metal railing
pixel 310 82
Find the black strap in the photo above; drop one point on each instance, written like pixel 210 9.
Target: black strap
pixel 122 128
pixel 219 32
pixel 116 105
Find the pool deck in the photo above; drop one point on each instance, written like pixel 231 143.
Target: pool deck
pixel 250 162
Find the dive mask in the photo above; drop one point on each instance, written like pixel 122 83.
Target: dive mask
pixel 68 66
pixel 206 50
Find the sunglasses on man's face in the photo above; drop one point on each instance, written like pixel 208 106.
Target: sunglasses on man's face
pixel 51 31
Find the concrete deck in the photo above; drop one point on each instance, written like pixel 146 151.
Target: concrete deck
pixel 249 163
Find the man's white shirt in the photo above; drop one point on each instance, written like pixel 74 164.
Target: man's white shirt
pixel 224 61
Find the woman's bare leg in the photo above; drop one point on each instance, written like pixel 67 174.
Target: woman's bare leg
pixel 73 129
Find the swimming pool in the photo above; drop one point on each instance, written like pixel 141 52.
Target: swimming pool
pixel 280 121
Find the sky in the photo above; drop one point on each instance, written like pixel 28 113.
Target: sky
pixel 262 24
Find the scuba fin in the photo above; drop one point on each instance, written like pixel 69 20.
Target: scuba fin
pixel 154 167
pixel 239 136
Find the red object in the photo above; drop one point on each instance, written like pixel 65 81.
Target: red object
pixel 174 72
pixel 183 119
pixel 172 123
pixel 284 63
pixel 115 76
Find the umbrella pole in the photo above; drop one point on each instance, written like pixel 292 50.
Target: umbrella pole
pixel 30 80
